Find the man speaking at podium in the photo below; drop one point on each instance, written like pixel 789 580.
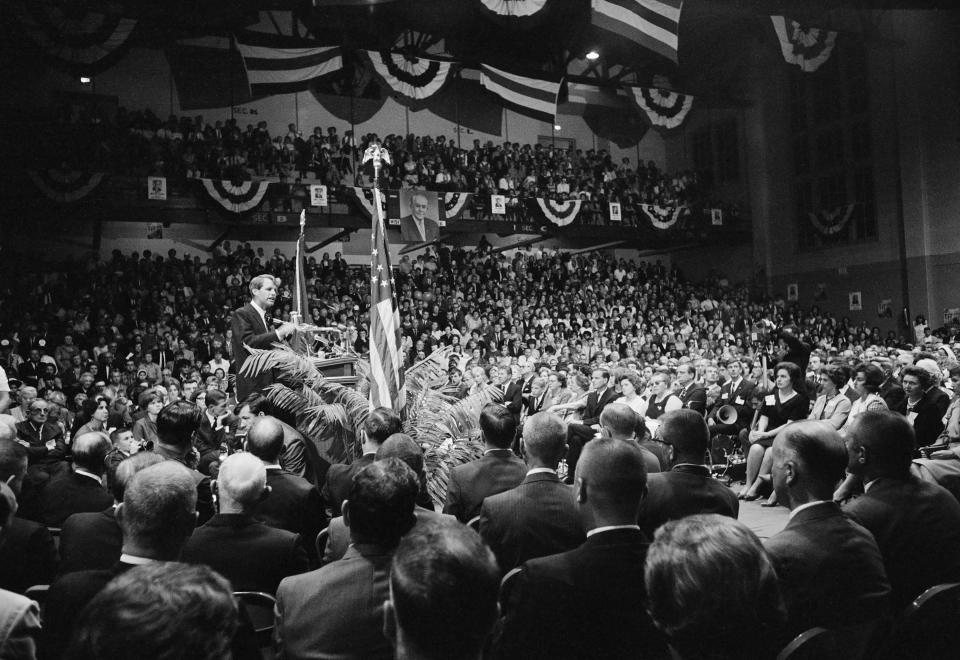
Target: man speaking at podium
pixel 252 325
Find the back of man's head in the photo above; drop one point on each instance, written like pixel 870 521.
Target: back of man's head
pixel 818 457
pixel 176 424
pixel 265 439
pixel 498 425
pixel 443 593
pixel 13 464
pixel 241 482
pixel 686 431
pixel 90 450
pixel 380 504
pixel 381 423
pixel 544 439
pixel 402 446
pixel 619 420
pixel 881 443
pixel 128 467
pixel 158 511
pixel 611 481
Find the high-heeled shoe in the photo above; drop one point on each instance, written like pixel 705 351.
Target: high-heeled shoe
pixel 771 501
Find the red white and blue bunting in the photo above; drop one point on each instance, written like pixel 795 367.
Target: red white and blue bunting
pixel 663 107
pixel 454 203
pixel 82 40
pixel 364 199
pixel 65 186
pixel 415 79
pixel 807 47
pixel 663 217
pixel 234 198
pixel 559 213
pixel 831 221
pixel 518 13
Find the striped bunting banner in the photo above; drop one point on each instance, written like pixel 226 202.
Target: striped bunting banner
pixel 236 199
pixel 559 213
pixel 664 108
pixel 272 62
pixel 807 47
pixel 530 96
pixel 654 24
pixel 412 79
pixel 65 186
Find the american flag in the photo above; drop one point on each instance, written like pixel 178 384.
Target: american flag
pixel 654 24
pixel 386 362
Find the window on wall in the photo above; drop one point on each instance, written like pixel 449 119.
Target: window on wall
pixel 832 152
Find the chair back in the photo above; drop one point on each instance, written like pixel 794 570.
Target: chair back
pixel 474 524
pixel 321 543
pixel 506 584
pixel 813 644
pixel 38 593
pixel 259 608
pixel 929 627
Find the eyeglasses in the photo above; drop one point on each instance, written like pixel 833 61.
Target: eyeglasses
pixel 38 411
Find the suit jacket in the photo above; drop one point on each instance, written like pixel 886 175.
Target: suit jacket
pixel 731 396
pixel 70 493
pixel 917 527
pixel 37 452
pixel 336 611
pixel 694 397
pixel 588 602
pixel 513 398
pixel 247 328
pixel 684 491
pixel 294 505
pixel 595 406
pixel 338 534
pixel 894 396
pixel 337 486
pixel 535 519
pixel 28 556
pixel 532 405
pixel 929 410
pixel 253 556
pixel 830 570
pixel 90 541
pixel 410 232
pixel 496 471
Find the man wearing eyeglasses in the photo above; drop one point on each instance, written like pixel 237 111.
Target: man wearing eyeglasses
pixel 46 449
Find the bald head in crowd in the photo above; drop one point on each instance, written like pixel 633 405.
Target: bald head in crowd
pixel 90 450
pixel 620 421
pixel 265 439
pixel 611 482
pixel 158 512
pixel 808 461
pixel 241 483
pixel 544 440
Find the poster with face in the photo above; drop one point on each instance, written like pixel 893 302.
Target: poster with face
pixel 419 216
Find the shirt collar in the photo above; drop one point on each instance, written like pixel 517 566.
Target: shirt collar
pixel 805 506
pixel 610 528
pixel 868 485
pixel 272 466
pixel 136 561
pixel 88 474
pixel 261 312
pixel 541 470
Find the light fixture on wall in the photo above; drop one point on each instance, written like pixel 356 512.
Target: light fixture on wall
pixel 85 80
pixel 593 55
pixel 556 127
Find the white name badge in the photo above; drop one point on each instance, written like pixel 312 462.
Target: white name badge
pixel 770 400
pixel 912 417
pixel 738 401
pixel 725 395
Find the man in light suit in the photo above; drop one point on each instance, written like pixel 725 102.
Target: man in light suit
pixel 580 433
pixel 830 570
pixel 499 469
pixel 337 610
pixel 250 327
pixel 418 227
pixel 538 517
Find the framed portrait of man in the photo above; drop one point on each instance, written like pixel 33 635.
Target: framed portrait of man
pixel 419 216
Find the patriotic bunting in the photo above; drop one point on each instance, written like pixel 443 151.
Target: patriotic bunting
pixel 234 198
pixel 662 217
pixel 531 96
pixel 454 203
pixel 514 8
pixel 79 38
pixel 654 24
pixel 65 186
pixel 832 221
pixel 559 213
pixel 663 107
pixel 807 47
pixel 275 65
pixel 412 79
pixel 364 199
pixel 386 368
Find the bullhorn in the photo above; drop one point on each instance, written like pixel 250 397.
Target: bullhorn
pixel 727 414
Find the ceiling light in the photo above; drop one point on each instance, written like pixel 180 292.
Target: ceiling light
pixel 593 55
pixel 556 127
pixel 84 80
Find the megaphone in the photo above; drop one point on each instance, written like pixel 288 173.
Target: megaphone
pixel 727 414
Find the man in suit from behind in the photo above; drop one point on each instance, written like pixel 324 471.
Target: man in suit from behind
pixel 692 394
pixel 176 424
pixel 688 488
pixel 499 469
pixel 82 489
pixel 538 517
pixel 251 555
pixel 578 434
pixel 830 570
pixel 337 610
pixel 293 503
pixel 19 616
pixel 418 227
pixel 250 327
pixel 27 553
pixel 916 523
pixel 589 602
pixel 619 421
pixel 443 594
pixel 398 445
pixel 92 540
pixel 158 514
pixel 381 423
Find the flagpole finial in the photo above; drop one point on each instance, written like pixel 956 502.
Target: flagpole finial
pixel 378 155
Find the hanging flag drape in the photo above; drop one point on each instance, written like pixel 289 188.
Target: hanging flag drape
pixel 832 221
pixel 411 79
pixel 454 204
pixel 386 363
pixel 654 24
pixel 663 107
pixel 364 199
pixel 559 213
pixel 236 198
pixel 807 47
pixel 65 186
pixel 662 217
pixel 531 96
pixel 277 64
pixel 86 41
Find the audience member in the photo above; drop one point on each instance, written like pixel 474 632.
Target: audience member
pixel 46 448
pixel 81 489
pixel 296 456
pixel 578 434
pixel 19 616
pixel 176 424
pixel 620 422
pixel 926 404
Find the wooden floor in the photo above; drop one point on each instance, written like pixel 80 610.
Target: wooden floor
pixel 763 521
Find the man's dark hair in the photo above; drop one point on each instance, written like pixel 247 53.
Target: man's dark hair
pixel 90 450
pixel 687 432
pixel 498 425
pixel 889 440
pixel 820 449
pixel 127 468
pixel 381 501
pixel 214 397
pixel 402 446
pixel 381 423
pixel 444 585
pixel 615 474
pixel 158 611
pixel 265 439
pixel 257 404
pixel 177 422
